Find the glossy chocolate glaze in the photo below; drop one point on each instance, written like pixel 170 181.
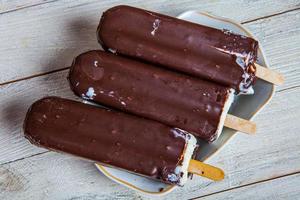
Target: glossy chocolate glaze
pixel 201 51
pixel 172 98
pixel 117 139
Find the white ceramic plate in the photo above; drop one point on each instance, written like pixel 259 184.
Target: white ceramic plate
pixel 244 106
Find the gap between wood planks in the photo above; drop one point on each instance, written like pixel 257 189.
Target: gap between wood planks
pixel 268 16
pixel 292 87
pixel 26 6
pixel 19 159
pixel 35 75
pixel 249 184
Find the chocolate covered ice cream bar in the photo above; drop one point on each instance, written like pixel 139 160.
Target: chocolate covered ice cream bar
pixel 140 146
pixel 216 55
pixel 197 106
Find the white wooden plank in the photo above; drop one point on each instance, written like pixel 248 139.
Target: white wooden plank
pixel 281 188
pixel 12 5
pixel 273 152
pixel 46 37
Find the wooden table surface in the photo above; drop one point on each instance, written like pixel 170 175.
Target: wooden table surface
pixel 38 40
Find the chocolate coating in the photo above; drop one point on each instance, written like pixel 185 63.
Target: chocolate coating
pixel 201 51
pixel 112 138
pixel 171 98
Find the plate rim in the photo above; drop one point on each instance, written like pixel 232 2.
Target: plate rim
pixel 259 109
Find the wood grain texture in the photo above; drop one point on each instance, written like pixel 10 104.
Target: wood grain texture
pixel 268 75
pixel 273 152
pixel 240 124
pixel 46 37
pixel 281 188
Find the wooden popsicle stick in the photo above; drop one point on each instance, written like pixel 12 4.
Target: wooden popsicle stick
pixel 240 124
pixel 269 75
pixel 205 170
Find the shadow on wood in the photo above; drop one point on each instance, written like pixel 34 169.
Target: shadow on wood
pixel 80 36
